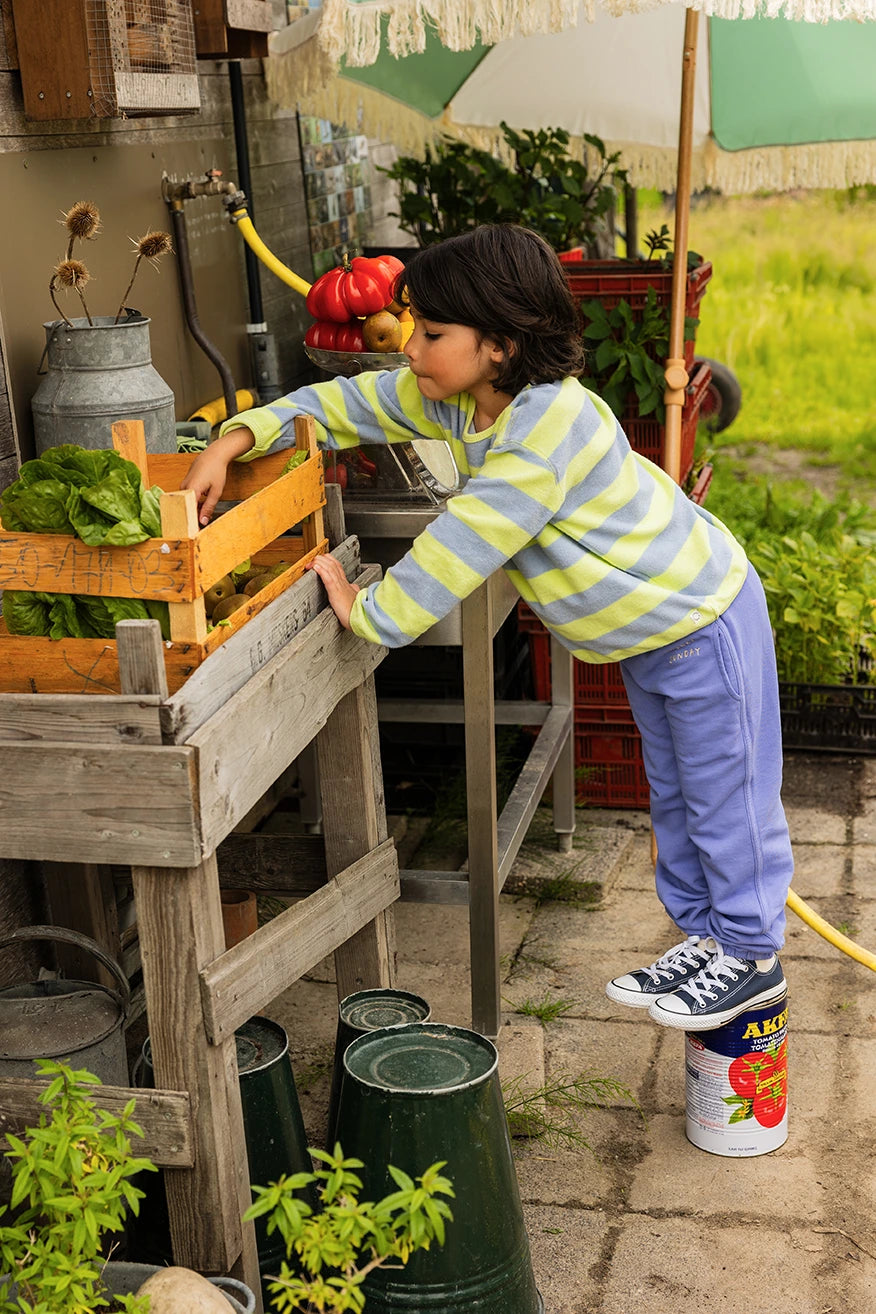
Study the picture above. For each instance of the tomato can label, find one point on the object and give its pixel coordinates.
(736, 1081)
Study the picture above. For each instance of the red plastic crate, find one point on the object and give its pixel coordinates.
(597, 685)
(609, 772)
(645, 434)
(610, 281)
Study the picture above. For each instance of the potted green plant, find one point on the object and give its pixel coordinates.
(332, 1249)
(455, 187)
(72, 1189)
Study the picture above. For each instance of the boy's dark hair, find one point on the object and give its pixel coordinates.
(507, 283)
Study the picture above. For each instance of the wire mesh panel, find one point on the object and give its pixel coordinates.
(142, 57)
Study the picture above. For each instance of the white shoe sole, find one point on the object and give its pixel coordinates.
(710, 1021)
(621, 996)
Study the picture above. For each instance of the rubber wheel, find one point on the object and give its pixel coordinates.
(721, 404)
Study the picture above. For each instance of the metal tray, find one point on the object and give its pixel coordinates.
(355, 362)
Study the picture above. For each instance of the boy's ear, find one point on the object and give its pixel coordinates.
(499, 347)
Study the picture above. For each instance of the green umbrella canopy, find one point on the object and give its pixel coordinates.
(779, 103)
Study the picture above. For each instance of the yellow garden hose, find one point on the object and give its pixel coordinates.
(255, 243)
(830, 933)
(214, 412)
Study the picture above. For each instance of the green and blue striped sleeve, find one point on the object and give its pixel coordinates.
(501, 509)
(377, 406)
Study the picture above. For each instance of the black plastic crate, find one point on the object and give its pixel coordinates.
(829, 718)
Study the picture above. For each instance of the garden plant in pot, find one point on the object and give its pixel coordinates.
(72, 1189)
(331, 1250)
(456, 187)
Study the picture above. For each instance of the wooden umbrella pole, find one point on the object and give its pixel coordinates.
(675, 373)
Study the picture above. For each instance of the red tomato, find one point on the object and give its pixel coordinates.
(357, 287)
(328, 336)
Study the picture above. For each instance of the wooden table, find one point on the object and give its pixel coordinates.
(157, 782)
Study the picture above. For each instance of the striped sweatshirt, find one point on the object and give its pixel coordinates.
(602, 544)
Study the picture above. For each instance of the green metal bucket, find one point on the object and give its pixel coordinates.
(424, 1092)
(358, 1015)
(276, 1141)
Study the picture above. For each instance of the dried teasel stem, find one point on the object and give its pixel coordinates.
(72, 274)
(52, 285)
(83, 223)
(148, 247)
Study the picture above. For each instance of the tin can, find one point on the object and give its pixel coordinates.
(736, 1082)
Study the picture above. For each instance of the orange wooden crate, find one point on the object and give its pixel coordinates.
(178, 568)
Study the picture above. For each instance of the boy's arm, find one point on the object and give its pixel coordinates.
(501, 509)
(377, 406)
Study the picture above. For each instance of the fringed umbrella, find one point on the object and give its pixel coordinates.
(783, 100)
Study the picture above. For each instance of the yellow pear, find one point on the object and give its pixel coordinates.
(381, 332)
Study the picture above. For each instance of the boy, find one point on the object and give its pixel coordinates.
(612, 557)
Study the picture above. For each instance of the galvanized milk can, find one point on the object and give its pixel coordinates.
(80, 1022)
(99, 373)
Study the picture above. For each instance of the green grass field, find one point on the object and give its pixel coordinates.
(791, 309)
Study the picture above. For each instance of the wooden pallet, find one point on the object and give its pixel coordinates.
(178, 568)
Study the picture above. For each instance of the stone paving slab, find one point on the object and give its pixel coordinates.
(660, 1266)
(644, 1222)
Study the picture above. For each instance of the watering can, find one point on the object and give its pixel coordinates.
(79, 1022)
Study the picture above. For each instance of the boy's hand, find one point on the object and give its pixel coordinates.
(209, 470)
(341, 593)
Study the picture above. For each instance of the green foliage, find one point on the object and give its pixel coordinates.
(817, 563)
(545, 1009)
(98, 496)
(331, 1252)
(790, 310)
(554, 1112)
(631, 353)
(457, 187)
(71, 1185)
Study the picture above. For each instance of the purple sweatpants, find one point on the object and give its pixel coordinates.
(708, 712)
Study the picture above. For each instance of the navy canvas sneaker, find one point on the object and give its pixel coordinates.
(640, 988)
(720, 992)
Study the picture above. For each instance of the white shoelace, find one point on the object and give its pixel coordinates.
(706, 984)
(688, 951)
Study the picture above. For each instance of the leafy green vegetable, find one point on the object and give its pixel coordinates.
(99, 496)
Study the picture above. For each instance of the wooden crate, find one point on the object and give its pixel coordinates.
(178, 568)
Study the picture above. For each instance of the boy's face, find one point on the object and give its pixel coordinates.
(450, 358)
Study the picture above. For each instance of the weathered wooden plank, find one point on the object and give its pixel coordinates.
(348, 751)
(93, 803)
(179, 520)
(165, 1117)
(530, 786)
(290, 865)
(211, 686)
(141, 658)
(253, 15)
(97, 718)
(246, 978)
(312, 530)
(53, 58)
(62, 563)
(273, 717)
(180, 927)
